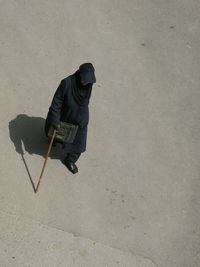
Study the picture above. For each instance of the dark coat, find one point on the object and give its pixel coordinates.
(65, 108)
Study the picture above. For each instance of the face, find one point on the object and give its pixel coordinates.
(83, 82)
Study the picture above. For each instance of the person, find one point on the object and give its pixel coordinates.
(71, 104)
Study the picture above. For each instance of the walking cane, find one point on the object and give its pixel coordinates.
(46, 158)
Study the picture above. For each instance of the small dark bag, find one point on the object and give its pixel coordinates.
(66, 133)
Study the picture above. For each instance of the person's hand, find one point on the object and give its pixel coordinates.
(56, 125)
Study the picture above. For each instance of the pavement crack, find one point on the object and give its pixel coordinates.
(77, 235)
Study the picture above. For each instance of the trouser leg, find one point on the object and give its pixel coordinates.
(72, 156)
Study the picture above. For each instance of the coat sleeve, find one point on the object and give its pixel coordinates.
(57, 102)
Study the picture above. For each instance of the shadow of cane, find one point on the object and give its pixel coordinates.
(27, 134)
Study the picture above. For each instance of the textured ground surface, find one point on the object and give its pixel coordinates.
(135, 201)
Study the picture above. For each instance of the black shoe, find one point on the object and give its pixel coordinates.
(71, 166)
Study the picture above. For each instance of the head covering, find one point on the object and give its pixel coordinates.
(82, 93)
(87, 73)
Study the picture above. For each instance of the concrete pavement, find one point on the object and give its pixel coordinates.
(135, 200)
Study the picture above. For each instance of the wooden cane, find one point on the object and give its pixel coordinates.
(45, 162)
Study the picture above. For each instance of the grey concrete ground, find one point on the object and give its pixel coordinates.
(135, 201)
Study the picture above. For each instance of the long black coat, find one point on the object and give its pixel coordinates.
(65, 108)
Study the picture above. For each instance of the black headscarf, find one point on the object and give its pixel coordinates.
(81, 92)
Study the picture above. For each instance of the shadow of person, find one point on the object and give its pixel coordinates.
(27, 134)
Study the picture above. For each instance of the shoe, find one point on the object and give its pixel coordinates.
(71, 166)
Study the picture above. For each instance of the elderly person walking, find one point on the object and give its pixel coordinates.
(70, 104)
